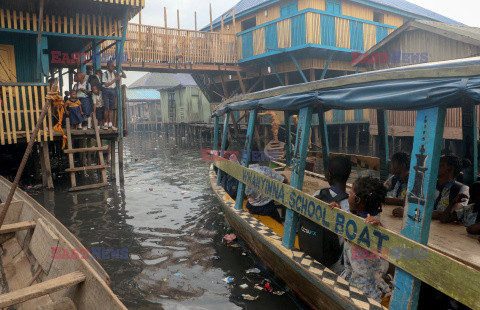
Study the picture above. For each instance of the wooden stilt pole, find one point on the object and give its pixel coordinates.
(45, 165)
(120, 159)
(113, 172)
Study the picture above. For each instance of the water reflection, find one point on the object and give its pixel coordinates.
(169, 220)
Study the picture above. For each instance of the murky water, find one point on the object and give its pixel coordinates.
(168, 219)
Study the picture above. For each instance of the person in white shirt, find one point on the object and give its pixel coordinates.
(109, 81)
(98, 106)
(83, 89)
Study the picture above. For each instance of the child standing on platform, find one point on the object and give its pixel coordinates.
(98, 106)
(74, 110)
(83, 92)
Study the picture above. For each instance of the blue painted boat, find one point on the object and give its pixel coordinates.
(452, 256)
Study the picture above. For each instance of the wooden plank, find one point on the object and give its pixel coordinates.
(13, 213)
(50, 118)
(47, 23)
(96, 167)
(65, 24)
(89, 25)
(2, 18)
(19, 110)
(41, 289)
(25, 113)
(43, 240)
(100, 154)
(12, 113)
(94, 20)
(442, 272)
(2, 126)
(35, 25)
(71, 27)
(28, 21)
(83, 23)
(37, 111)
(9, 228)
(73, 180)
(77, 23)
(54, 20)
(86, 149)
(20, 17)
(89, 186)
(32, 113)
(42, 98)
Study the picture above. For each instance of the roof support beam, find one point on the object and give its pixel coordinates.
(270, 63)
(242, 85)
(324, 73)
(298, 67)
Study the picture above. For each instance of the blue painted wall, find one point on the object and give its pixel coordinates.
(328, 30)
(271, 38)
(338, 116)
(288, 9)
(382, 32)
(356, 35)
(247, 45)
(358, 115)
(333, 6)
(298, 30)
(25, 54)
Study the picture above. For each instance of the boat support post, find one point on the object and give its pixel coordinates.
(224, 144)
(420, 197)
(215, 133)
(324, 136)
(246, 158)
(288, 139)
(383, 143)
(298, 172)
(470, 141)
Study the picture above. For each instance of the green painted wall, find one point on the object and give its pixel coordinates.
(25, 54)
(191, 106)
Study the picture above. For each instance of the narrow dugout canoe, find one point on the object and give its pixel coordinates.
(317, 285)
(34, 274)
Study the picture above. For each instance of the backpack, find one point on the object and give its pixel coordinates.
(317, 241)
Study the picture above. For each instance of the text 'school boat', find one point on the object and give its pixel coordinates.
(32, 278)
(450, 258)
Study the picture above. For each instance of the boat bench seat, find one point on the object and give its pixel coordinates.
(41, 289)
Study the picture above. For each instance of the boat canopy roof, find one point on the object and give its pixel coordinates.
(416, 87)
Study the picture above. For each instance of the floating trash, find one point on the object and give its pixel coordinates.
(230, 237)
(279, 293)
(249, 297)
(178, 274)
(244, 286)
(229, 279)
(268, 287)
(259, 287)
(253, 270)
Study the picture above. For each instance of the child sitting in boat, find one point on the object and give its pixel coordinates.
(468, 215)
(74, 109)
(449, 191)
(261, 204)
(398, 182)
(366, 274)
(318, 242)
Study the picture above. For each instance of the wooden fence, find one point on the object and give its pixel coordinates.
(20, 108)
(150, 44)
(80, 24)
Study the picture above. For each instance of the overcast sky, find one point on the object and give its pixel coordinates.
(464, 11)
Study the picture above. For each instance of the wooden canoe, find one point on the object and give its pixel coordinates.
(320, 287)
(34, 273)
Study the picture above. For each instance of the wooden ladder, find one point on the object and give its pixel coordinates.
(99, 149)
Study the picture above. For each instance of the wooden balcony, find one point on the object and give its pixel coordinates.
(157, 47)
(310, 28)
(20, 108)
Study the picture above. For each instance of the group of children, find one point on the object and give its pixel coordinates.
(93, 94)
(454, 202)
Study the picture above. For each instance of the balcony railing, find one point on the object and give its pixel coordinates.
(20, 108)
(150, 44)
(311, 28)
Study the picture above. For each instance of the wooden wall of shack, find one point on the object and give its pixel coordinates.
(438, 48)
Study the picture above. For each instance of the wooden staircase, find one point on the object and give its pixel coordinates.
(101, 167)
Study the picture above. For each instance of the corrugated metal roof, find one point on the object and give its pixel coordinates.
(401, 5)
(163, 80)
(142, 94)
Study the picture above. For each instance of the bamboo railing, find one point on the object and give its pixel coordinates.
(20, 108)
(150, 44)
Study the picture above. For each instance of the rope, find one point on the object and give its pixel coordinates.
(57, 101)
